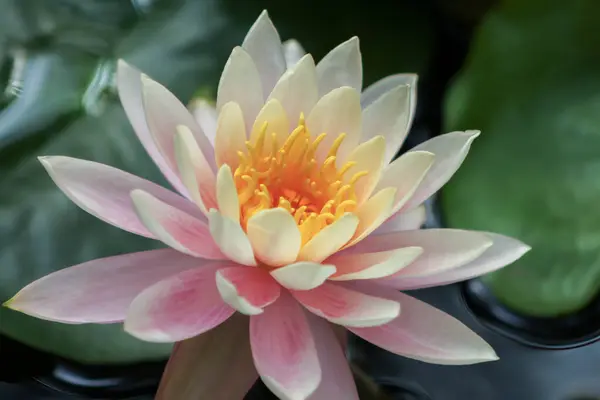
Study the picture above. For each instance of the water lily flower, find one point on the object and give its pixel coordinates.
(290, 218)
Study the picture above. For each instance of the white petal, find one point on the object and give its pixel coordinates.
(206, 116)
(330, 239)
(274, 236)
(231, 239)
(227, 196)
(406, 175)
(404, 221)
(335, 113)
(293, 52)
(240, 83)
(297, 89)
(450, 151)
(342, 66)
(303, 275)
(264, 46)
(388, 116)
(386, 84)
(231, 135)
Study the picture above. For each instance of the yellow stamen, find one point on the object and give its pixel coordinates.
(290, 176)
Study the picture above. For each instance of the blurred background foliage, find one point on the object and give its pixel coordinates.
(530, 83)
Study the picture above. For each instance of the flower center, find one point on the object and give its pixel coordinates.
(289, 176)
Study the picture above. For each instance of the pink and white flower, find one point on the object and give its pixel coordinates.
(289, 210)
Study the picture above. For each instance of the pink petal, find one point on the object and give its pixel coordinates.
(247, 289)
(443, 249)
(130, 93)
(178, 308)
(347, 307)
(164, 113)
(342, 66)
(99, 291)
(175, 228)
(424, 333)
(404, 221)
(103, 191)
(216, 365)
(284, 350)
(504, 251)
(264, 46)
(450, 151)
(206, 116)
(337, 382)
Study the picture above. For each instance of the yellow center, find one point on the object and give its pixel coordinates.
(289, 176)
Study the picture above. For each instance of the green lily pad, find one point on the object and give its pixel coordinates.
(532, 85)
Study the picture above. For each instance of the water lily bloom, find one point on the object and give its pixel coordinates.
(290, 218)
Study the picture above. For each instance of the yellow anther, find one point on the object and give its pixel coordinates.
(345, 206)
(346, 167)
(357, 176)
(336, 145)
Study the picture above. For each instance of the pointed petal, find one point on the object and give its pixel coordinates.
(404, 221)
(302, 275)
(450, 151)
(179, 307)
(335, 113)
(246, 289)
(368, 156)
(293, 52)
(274, 236)
(348, 307)
(330, 239)
(240, 83)
(217, 365)
(206, 116)
(264, 46)
(164, 112)
(195, 175)
(504, 251)
(174, 227)
(284, 350)
(337, 382)
(381, 87)
(444, 249)
(231, 238)
(231, 135)
(101, 290)
(273, 114)
(406, 174)
(424, 333)
(129, 82)
(372, 265)
(297, 89)
(388, 116)
(103, 191)
(342, 66)
(372, 214)
(227, 196)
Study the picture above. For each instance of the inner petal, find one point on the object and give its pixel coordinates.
(287, 175)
